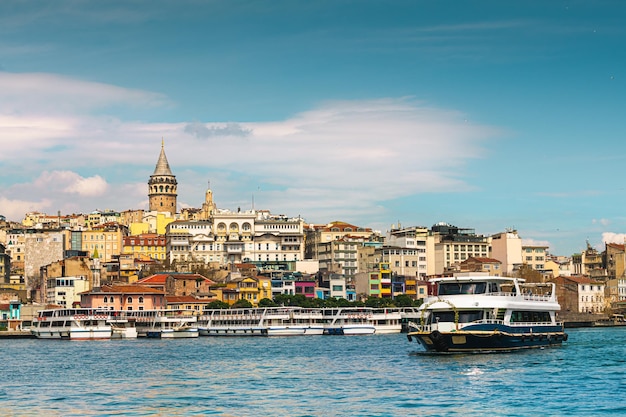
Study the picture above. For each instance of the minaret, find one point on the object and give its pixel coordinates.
(208, 207)
(162, 186)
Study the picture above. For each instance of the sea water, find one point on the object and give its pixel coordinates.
(378, 375)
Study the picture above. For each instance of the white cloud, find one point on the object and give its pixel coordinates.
(71, 183)
(343, 157)
(610, 237)
(603, 222)
(41, 93)
(14, 210)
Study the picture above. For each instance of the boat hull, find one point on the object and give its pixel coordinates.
(179, 334)
(233, 331)
(485, 341)
(350, 330)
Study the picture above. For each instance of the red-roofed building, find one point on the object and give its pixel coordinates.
(480, 264)
(177, 284)
(124, 297)
(580, 294)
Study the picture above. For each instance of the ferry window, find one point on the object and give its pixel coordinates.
(470, 316)
(453, 288)
(442, 317)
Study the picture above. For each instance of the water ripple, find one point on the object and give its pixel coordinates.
(311, 376)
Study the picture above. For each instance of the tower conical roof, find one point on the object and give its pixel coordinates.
(162, 166)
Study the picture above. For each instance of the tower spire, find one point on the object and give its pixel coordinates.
(162, 185)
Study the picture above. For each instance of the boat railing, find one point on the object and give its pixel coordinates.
(528, 296)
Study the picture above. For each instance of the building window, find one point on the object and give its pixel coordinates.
(141, 300)
(129, 299)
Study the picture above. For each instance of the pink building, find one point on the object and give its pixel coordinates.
(124, 297)
(306, 288)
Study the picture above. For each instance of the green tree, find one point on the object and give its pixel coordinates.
(217, 304)
(266, 302)
(242, 304)
(403, 300)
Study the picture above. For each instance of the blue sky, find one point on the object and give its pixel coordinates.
(483, 114)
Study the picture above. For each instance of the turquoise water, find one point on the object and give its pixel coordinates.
(380, 375)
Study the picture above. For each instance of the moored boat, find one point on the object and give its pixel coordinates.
(478, 312)
(123, 326)
(362, 321)
(72, 324)
(165, 323)
(268, 321)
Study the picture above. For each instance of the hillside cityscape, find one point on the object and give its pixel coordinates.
(208, 257)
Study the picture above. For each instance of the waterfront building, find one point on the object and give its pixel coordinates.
(535, 256)
(407, 250)
(179, 284)
(475, 264)
(162, 186)
(507, 248)
(452, 245)
(188, 302)
(277, 240)
(65, 291)
(580, 294)
(283, 283)
(305, 287)
(319, 236)
(124, 297)
(615, 290)
(10, 318)
(589, 263)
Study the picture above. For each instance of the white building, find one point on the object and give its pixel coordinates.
(507, 248)
(236, 237)
(64, 291)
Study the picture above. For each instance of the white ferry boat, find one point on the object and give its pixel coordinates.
(72, 324)
(164, 323)
(478, 312)
(362, 321)
(123, 326)
(269, 321)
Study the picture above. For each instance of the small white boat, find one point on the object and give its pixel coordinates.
(72, 324)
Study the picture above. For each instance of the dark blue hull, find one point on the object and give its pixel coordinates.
(495, 340)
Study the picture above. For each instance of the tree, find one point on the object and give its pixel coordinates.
(242, 304)
(217, 304)
(403, 300)
(266, 302)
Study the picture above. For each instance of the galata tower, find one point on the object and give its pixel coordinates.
(162, 186)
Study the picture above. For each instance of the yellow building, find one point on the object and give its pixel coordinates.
(149, 245)
(105, 241)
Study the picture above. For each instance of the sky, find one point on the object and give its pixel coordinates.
(488, 115)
